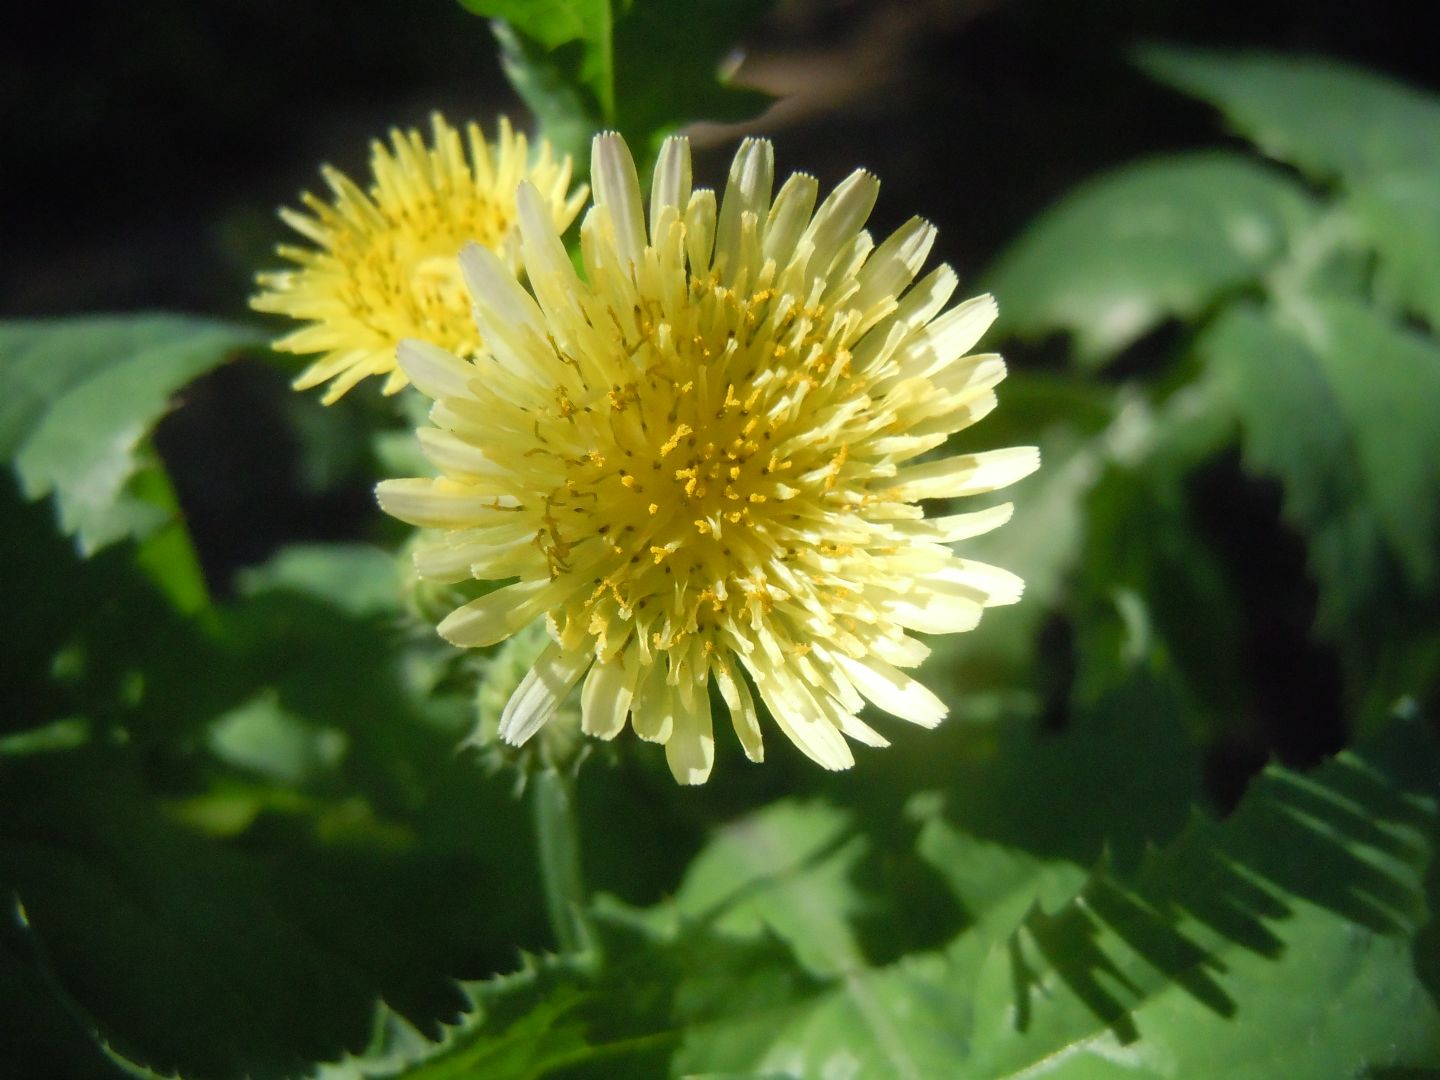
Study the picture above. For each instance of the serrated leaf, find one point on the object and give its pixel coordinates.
(1123, 775)
(784, 870)
(270, 831)
(175, 946)
(1327, 118)
(54, 1040)
(552, 24)
(1162, 238)
(80, 399)
(1275, 944)
(616, 1018)
(1153, 596)
(643, 67)
(1401, 215)
(1340, 405)
(1378, 137)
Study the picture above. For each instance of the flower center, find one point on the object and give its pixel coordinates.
(689, 505)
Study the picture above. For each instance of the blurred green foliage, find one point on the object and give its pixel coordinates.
(236, 838)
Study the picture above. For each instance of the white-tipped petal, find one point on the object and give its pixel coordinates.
(803, 719)
(994, 586)
(496, 615)
(541, 693)
(947, 530)
(509, 318)
(894, 264)
(789, 216)
(839, 218)
(617, 188)
(455, 456)
(891, 689)
(540, 241)
(671, 185)
(435, 372)
(700, 231)
(852, 727)
(747, 193)
(433, 504)
(966, 474)
(950, 336)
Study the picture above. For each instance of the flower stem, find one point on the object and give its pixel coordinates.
(557, 834)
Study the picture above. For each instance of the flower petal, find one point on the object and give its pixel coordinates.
(541, 693)
(894, 691)
(965, 474)
(671, 186)
(736, 695)
(497, 615)
(436, 372)
(617, 188)
(609, 689)
(690, 750)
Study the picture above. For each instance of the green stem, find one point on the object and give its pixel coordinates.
(557, 835)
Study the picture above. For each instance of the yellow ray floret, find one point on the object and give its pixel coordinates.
(701, 460)
(383, 266)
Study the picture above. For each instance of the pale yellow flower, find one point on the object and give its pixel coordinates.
(384, 263)
(702, 460)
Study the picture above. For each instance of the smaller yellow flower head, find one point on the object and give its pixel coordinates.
(384, 264)
(704, 462)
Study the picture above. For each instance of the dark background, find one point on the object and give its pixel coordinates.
(146, 144)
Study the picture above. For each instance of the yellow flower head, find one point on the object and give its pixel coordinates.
(384, 262)
(700, 460)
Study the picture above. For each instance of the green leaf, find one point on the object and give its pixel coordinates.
(176, 946)
(1274, 944)
(231, 843)
(518, 1027)
(796, 872)
(1123, 775)
(1163, 238)
(551, 82)
(79, 398)
(1327, 118)
(81, 660)
(642, 67)
(552, 24)
(1377, 137)
(1105, 457)
(1154, 597)
(785, 870)
(1339, 404)
(1401, 215)
(671, 67)
(359, 579)
(54, 1038)
(1278, 943)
